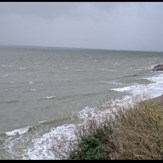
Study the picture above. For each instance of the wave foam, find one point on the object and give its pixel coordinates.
(152, 89)
(111, 82)
(12, 82)
(156, 78)
(53, 145)
(60, 141)
(49, 97)
(30, 82)
(131, 88)
(16, 132)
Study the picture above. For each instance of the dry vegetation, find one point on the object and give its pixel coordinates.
(129, 134)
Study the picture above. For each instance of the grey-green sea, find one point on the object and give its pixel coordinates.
(42, 88)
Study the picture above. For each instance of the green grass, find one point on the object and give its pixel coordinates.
(131, 134)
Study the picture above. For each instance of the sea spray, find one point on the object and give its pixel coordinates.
(62, 140)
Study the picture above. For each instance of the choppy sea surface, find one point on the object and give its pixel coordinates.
(42, 88)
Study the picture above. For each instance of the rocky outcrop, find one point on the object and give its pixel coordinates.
(158, 68)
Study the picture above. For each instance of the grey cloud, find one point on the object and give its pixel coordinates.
(40, 9)
(127, 26)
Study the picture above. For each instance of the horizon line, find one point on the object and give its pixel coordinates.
(53, 47)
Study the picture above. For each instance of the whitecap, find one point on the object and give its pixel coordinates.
(43, 121)
(22, 68)
(156, 78)
(152, 90)
(85, 112)
(20, 131)
(49, 97)
(131, 88)
(12, 82)
(30, 82)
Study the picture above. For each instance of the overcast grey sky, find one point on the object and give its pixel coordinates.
(103, 25)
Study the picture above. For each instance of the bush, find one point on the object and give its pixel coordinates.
(135, 133)
(92, 147)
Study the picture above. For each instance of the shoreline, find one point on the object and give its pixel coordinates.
(157, 100)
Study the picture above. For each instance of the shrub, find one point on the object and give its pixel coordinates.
(135, 133)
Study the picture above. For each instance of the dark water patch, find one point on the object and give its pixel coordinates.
(9, 102)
